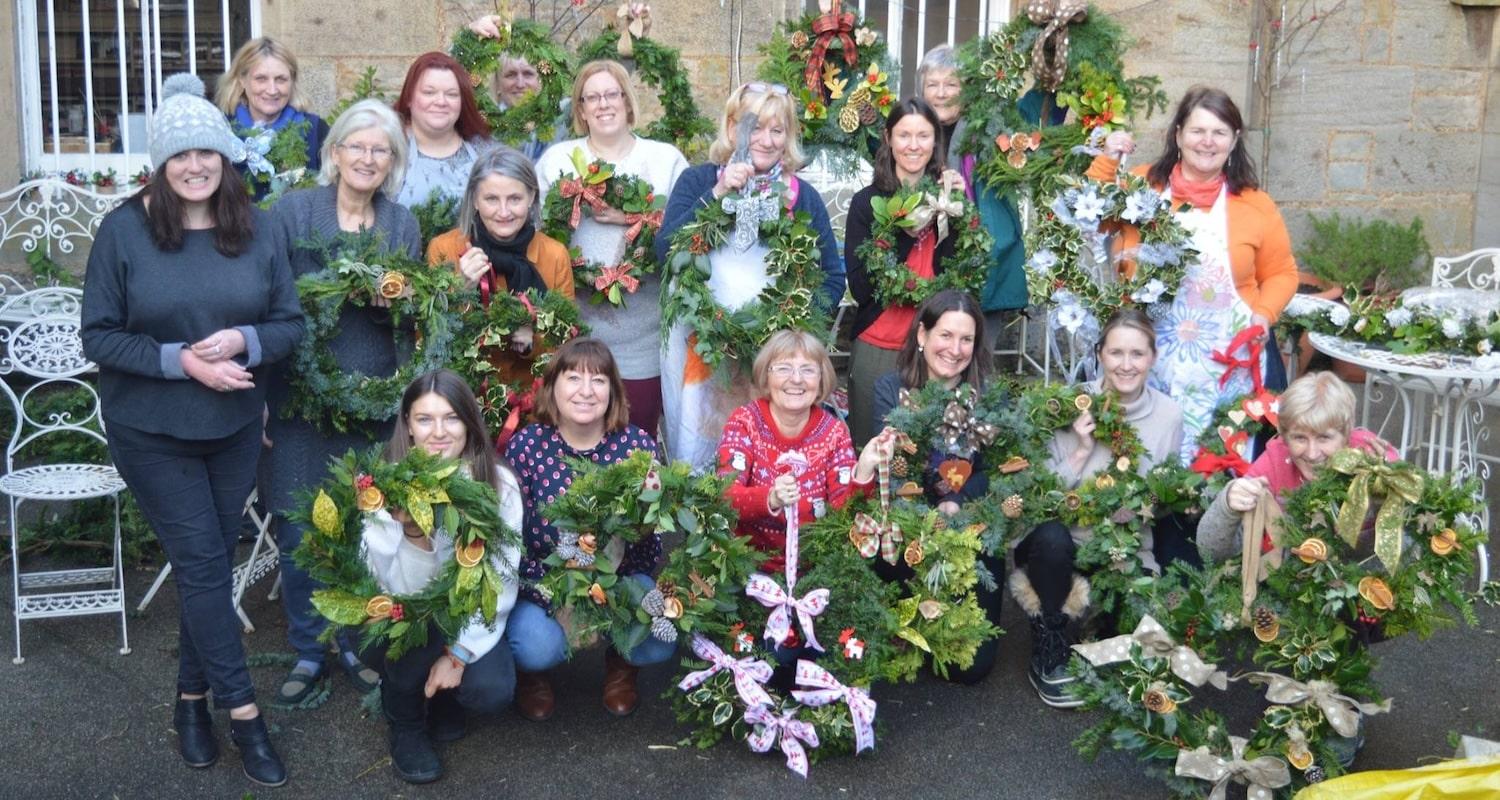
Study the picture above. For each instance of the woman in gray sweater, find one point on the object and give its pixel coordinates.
(364, 159)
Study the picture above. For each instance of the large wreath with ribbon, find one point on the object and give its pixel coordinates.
(537, 115)
(438, 496)
(1306, 617)
(838, 70)
(595, 187)
(658, 67)
(789, 302)
(360, 269)
(1224, 447)
(924, 210)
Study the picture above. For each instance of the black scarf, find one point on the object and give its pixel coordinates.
(508, 260)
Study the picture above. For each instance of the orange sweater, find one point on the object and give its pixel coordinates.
(553, 265)
(1260, 250)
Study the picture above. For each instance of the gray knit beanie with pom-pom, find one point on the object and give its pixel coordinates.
(186, 121)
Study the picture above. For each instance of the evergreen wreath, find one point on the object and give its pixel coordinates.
(1448, 336)
(537, 114)
(437, 494)
(276, 160)
(436, 215)
(359, 269)
(789, 302)
(554, 320)
(1225, 443)
(894, 282)
(659, 67)
(596, 187)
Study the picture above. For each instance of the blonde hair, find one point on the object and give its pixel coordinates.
(231, 91)
(767, 106)
(616, 71)
(786, 344)
(1317, 402)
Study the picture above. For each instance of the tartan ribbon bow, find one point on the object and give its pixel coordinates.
(1053, 16)
(870, 536)
(827, 689)
(835, 23)
(1262, 774)
(1399, 483)
(619, 273)
(748, 673)
(770, 726)
(1341, 711)
(1155, 643)
(1249, 339)
(782, 603)
(582, 193)
(639, 221)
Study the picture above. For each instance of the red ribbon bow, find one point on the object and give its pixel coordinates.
(581, 193)
(638, 222)
(1209, 464)
(832, 25)
(619, 273)
(1248, 338)
(519, 405)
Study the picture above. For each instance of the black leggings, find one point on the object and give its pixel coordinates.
(1046, 556)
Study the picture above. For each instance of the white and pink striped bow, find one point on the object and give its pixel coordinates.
(792, 732)
(783, 603)
(749, 673)
(827, 689)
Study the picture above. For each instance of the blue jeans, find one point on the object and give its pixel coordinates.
(303, 622)
(193, 494)
(538, 642)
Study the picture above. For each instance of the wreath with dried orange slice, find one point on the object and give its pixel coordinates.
(446, 505)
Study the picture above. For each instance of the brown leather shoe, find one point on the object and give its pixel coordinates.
(534, 696)
(620, 695)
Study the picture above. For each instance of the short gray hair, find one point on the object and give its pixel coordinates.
(361, 116)
(940, 58)
(506, 162)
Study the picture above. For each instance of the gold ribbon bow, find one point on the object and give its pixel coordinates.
(1054, 17)
(1255, 565)
(1341, 711)
(1262, 775)
(1155, 643)
(1399, 483)
(635, 23)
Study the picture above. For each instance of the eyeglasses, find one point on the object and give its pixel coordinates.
(760, 87)
(807, 372)
(360, 152)
(597, 98)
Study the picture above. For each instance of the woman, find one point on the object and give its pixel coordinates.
(497, 247)
(364, 158)
(1005, 285)
(1316, 420)
(940, 347)
(188, 297)
(604, 109)
(428, 689)
(793, 377)
(695, 402)
(911, 150)
(445, 132)
(514, 81)
(1044, 582)
(259, 93)
(582, 413)
(1246, 274)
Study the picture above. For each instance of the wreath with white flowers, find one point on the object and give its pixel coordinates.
(524, 39)
(1402, 327)
(894, 282)
(595, 187)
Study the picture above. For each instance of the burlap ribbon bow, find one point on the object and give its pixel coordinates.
(1262, 775)
(1155, 643)
(1399, 483)
(1255, 565)
(1054, 17)
(635, 23)
(1341, 711)
(935, 209)
(833, 24)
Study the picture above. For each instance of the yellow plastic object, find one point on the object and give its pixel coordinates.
(1467, 779)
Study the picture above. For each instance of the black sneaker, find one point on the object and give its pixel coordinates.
(1052, 687)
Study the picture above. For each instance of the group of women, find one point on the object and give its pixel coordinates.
(190, 310)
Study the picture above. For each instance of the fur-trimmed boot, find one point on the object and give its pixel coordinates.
(1051, 638)
(412, 755)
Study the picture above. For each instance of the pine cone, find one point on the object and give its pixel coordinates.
(849, 119)
(654, 603)
(1267, 627)
(1012, 506)
(663, 629)
(899, 467)
(868, 114)
(1314, 774)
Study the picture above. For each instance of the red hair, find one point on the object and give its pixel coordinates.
(470, 123)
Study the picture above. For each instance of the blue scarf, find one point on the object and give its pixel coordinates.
(288, 115)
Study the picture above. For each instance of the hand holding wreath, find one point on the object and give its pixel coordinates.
(928, 209)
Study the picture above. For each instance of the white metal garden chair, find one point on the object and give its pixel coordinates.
(41, 353)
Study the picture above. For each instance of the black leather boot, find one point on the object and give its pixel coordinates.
(412, 755)
(195, 733)
(445, 717)
(261, 762)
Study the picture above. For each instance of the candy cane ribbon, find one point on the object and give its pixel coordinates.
(796, 463)
(827, 689)
(833, 24)
(749, 673)
(639, 222)
(581, 193)
(783, 603)
(791, 731)
(1248, 338)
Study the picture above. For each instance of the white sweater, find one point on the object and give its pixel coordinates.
(402, 568)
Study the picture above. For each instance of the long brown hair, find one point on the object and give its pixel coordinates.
(470, 124)
(910, 363)
(479, 451)
(1239, 172)
(229, 206)
(592, 357)
(885, 180)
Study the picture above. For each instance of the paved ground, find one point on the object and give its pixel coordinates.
(80, 720)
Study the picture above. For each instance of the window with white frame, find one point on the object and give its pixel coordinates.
(91, 72)
(920, 25)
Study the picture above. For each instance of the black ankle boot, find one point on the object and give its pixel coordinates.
(412, 755)
(445, 717)
(195, 733)
(1050, 648)
(262, 765)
